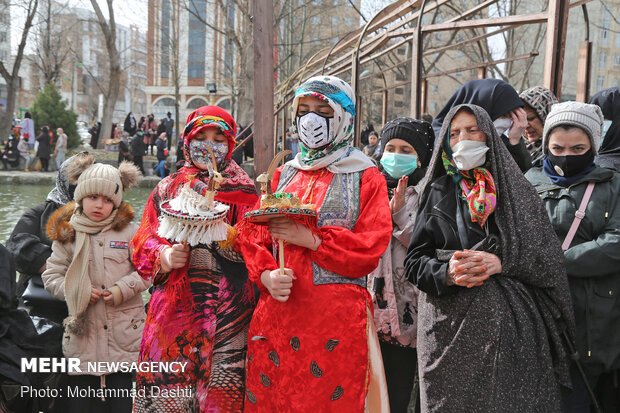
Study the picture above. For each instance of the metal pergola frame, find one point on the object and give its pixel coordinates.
(355, 49)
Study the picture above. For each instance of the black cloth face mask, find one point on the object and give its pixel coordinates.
(571, 165)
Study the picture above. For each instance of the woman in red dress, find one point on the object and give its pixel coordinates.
(312, 343)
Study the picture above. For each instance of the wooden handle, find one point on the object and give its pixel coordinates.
(281, 254)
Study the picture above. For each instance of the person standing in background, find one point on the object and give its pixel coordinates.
(24, 152)
(44, 150)
(162, 154)
(130, 124)
(94, 135)
(28, 130)
(137, 150)
(169, 122)
(61, 147)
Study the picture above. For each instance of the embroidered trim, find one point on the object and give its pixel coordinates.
(340, 208)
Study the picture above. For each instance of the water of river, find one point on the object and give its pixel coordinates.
(16, 199)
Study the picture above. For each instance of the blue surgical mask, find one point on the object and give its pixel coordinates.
(399, 164)
(199, 153)
(606, 125)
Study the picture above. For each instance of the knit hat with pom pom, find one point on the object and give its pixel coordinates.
(106, 180)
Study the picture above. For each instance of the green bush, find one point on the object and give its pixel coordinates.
(50, 110)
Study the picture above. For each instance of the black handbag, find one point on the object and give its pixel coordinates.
(42, 303)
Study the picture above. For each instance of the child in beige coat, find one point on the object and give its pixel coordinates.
(90, 268)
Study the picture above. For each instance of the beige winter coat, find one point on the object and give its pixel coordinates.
(113, 332)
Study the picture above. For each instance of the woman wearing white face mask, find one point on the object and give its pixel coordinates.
(407, 146)
(484, 258)
(501, 101)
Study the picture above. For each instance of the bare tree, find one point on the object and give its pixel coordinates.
(51, 48)
(12, 78)
(110, 95)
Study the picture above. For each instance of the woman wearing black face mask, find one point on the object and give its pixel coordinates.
(570, 140)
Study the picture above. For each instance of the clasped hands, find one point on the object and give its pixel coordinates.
(471, 268)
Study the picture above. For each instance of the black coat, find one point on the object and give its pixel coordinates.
(130, 126)
(439, 231)
(20, 338)
(137, 146)
(44, 150)
(29, 244)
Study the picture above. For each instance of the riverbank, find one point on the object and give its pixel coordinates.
(49, 178)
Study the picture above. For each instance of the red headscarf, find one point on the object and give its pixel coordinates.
(237, 187)
(209, 117)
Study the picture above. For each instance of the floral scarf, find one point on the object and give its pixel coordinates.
(478, 189)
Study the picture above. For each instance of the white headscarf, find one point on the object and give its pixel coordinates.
(339, 156)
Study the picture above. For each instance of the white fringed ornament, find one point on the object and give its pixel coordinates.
(193, 219)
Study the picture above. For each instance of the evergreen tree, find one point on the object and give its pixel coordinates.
(50, 110)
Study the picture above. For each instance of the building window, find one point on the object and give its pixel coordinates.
(602, 57)
(165, 40)
(617, 40)
(398, 104)
(197, 42)
(600, 83)
(458, 74)
(435, 88)
(399, 91)
(615, 82)
(401, 51)
(3, 37)
(196, 103)
(617, 59)
(459, 54)
(316, 2)
(315, 20)
(335, 21)
(434, 107)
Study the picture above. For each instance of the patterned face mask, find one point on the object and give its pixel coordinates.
(315, 131)
(200, 154)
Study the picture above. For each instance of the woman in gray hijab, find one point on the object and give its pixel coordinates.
(494, 305)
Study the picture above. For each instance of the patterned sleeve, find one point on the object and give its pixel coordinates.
(146, 243)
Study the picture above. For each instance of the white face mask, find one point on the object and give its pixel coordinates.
(502, 125)
(468, 154)
(315, 130)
